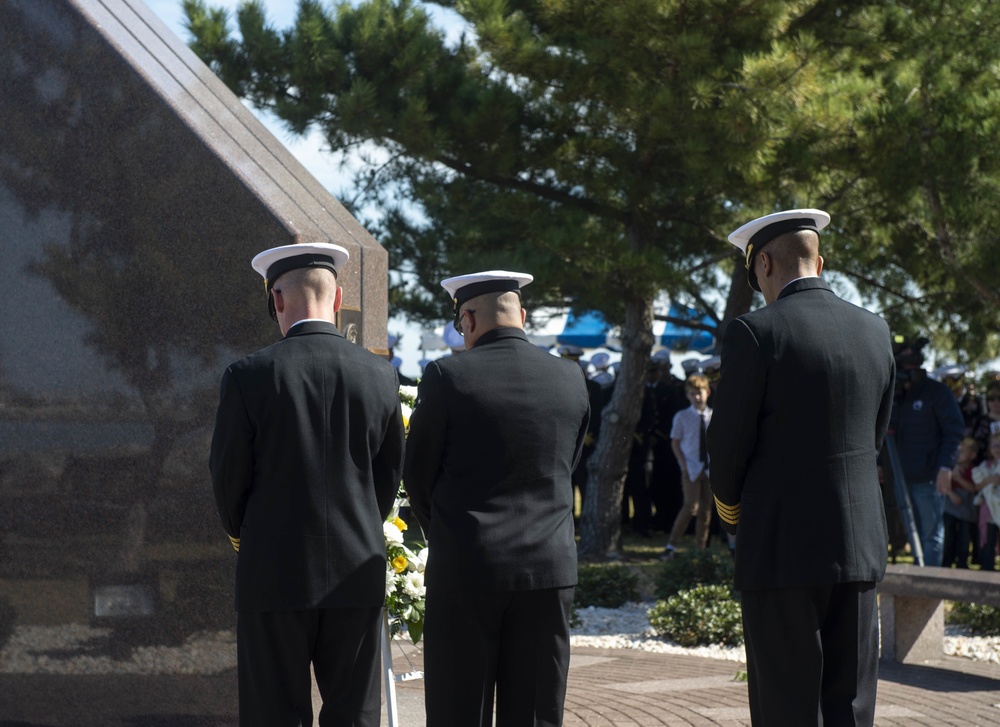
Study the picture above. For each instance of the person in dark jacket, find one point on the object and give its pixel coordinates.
(494, 438)
(928, 426)
(801, 410)
(306, 460)
(637, 486)
(665, 479)
(598, 396)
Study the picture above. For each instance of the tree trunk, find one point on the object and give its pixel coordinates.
(737, 302)
(600, 521)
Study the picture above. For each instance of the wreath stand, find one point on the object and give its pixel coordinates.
(390, 677)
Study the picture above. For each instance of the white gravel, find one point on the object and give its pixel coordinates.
(628, 628)
(958, 641)
(76, 648)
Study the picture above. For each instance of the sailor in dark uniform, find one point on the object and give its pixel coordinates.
(598, 395)
(493, 441)
(306, 460)
(602, 376)
(665, 479)
(801, 411)
(397, 362)
(637, 476)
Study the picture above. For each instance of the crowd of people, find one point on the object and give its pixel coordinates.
(945, 419)
(946, 453)
(945, 426)
(667, 481)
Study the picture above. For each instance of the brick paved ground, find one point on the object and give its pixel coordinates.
(614, 688)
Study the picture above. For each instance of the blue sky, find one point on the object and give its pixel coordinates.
(323, 165)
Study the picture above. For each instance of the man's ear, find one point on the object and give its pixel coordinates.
(819, 264)
(524, 317)
(767, 263)
(279, 300)
(338, 299)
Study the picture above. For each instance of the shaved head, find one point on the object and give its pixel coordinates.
(794, 248)
(499, 309)
(308, 284)
(787, 257)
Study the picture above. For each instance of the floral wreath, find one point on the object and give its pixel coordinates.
(405, 593)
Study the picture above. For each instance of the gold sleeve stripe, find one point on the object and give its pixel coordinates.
(729, 513)
(729, 519)
(235, 542)
(735, 510)
(729, 516)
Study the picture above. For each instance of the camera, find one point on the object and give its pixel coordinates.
(909, 360)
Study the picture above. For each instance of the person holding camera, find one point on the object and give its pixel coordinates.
(928, 427)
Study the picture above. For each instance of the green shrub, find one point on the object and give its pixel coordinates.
(980, 618)
(693, 568)
(574, 617)
(606, 586)
(699, 617)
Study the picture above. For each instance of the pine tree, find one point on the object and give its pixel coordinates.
(607, 147)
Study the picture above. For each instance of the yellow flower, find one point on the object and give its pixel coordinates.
(398, 522)
(399, 563)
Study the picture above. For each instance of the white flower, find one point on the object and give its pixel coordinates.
(390, 582)
(392, 533)
(408, 391)
(407, 413)
(413, 584)
(418, 562)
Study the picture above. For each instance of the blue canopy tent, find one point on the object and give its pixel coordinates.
(586, 330)
(589, 329)
(681, 338)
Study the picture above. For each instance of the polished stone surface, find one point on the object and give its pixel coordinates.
(134, 189)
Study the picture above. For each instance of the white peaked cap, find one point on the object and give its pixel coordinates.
(463, 287)
(273, 263)
(752, 236)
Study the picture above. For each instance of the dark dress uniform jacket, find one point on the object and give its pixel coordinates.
(800, 414)
(306, 462)
(494, 438)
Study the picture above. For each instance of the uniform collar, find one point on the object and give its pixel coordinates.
(312, 326)
(497, 334)
(800, 284)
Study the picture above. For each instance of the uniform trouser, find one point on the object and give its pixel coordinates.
(637, 488)
(274, 652)
(515, 644)
(812, 655)
(665, 486)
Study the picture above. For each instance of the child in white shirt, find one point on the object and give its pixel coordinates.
(689, 444)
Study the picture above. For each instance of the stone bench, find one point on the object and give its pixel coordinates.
(911, 607)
